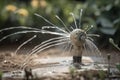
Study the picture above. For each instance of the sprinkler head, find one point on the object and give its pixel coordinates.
(82, 36)
(78, 37)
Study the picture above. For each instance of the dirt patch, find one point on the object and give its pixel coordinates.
(9, 61)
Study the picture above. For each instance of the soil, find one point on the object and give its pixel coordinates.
(10, 62)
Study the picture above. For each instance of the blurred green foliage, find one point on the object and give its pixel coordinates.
(115, 45)
(118, 66)
(1, 75)
(102, 14)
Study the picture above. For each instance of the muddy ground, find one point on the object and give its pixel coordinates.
(10, 62)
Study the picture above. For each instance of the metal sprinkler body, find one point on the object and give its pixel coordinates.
(28, 73)
(77, 38)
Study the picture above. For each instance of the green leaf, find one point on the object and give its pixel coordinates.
(109, 31)
(112, 42)
(105, 22)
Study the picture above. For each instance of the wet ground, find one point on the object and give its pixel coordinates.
(49, 62)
